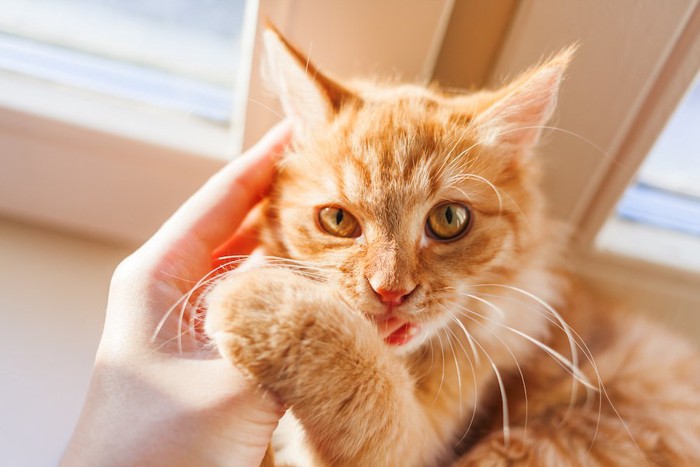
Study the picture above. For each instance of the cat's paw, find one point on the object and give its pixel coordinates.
(257, 321)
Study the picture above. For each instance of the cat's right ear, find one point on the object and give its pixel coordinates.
(308, 97)
(521, 109)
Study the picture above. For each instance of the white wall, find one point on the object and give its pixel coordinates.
(53, 292)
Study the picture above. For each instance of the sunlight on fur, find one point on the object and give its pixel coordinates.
(410, 302)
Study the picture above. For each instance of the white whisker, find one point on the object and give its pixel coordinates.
(459, 374)
(501, 385)
(550, 309)
(474, 379)
(563, 361)
(442, 367)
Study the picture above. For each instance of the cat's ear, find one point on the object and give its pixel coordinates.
(308, 97)
(519, 110)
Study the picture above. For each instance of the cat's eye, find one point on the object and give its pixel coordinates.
(338, 222)
(448, 221)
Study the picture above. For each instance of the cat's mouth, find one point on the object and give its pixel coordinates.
(396, 331)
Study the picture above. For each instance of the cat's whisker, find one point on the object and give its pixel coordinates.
(578, 340)
(471, 176)
(432, 356)
(470, 339)
(223, 257)
(504, 398)
(309, 264)
(588, 141)
(514, 300)
(458, 157)
(266, 107)
(198, 306)
(459, 374)
(442, 367)
(173, 339)
(574, 365)
(270, 258)
(573, 371)
(464, 193)
(179, 326)
(474, 379)
(232, 261)
(220, 272)
(308, 270)
(508, 349)
(457, 140)
(317, 269)
(580, 343)
(164, 318)
(216, 274)
(550, 309)
(501, 314)
(559, 358)
(424, 350)
(183, 300)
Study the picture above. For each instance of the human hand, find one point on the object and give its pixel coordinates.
(158, 397)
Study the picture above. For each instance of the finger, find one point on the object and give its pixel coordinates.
(217, 209)
(243, 241)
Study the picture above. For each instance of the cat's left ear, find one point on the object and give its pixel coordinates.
(519, 110)
(309, 97)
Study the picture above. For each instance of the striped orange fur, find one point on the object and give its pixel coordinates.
(396, 348)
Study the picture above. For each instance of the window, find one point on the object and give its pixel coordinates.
(181, 55)
(666, 192)
(658, 217)
(166, 72)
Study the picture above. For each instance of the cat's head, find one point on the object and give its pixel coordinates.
(405, 196)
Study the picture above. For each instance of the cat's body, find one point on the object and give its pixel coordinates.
(420, 313)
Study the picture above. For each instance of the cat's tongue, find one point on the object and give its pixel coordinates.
(401, 335)
(396, 331)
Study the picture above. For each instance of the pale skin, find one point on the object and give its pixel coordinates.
(152, 403)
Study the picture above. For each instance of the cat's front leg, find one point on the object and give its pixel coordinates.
(295, 337)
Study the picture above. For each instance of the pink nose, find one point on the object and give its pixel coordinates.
(393, 297)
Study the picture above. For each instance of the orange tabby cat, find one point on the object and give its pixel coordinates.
(414, 310)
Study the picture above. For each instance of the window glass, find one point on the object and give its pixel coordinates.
(666, 192)
(177, 54)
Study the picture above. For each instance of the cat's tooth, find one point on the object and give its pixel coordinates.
(412, 330)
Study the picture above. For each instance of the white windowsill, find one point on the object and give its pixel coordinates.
(651, 245)
(115, 116)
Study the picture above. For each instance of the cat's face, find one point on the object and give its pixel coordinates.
(405, 197)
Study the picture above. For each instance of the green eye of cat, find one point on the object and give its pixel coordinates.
(338, 222)
(448, 221)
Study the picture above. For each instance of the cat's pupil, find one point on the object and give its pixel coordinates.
(339, 216)
(448, 214)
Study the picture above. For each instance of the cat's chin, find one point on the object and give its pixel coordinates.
(409, 346)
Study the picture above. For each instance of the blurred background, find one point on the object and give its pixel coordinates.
(113, 111)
